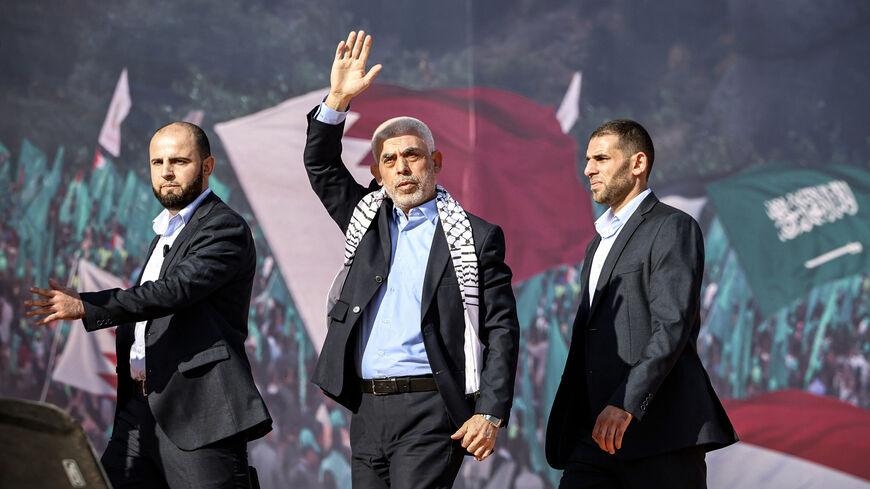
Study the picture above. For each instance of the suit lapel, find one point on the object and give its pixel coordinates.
(613, 256)
(386, 240)
(584, 279)
(190, 229)
(439, 255)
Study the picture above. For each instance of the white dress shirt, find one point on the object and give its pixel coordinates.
(168, 227)
(608, 226)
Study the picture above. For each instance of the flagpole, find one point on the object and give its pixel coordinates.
(52, 352)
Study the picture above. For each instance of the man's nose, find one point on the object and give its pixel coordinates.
(403, 167)
(167, 171)
(588, 170)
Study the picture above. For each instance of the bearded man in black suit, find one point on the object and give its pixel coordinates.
(187, 403)
(635, 407)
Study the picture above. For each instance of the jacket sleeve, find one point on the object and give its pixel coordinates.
(676, 271)
(221, 251)
(499, 329)
(332, 182)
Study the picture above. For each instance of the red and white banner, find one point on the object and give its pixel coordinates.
(794, 439)
(506, 159)
(88, 360)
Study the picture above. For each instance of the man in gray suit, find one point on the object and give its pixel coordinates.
(635, 407)
(187, 403)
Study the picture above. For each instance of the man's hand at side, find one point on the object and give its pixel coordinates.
(609, 428)
(348, 77)
(58, 303)
(478, 436)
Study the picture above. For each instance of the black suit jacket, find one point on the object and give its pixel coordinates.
(634, 346)
(443, 323)
(199, 381)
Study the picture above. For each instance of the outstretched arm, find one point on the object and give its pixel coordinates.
(332, 182)
(57, 303)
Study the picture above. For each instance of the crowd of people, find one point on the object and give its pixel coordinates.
(819, 344)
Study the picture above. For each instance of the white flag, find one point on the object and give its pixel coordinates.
(110, 134)
(253, 144)
(88, 359)
(569, 109)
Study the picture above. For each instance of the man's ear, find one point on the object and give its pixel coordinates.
(376, 172)
(207, 166)
(639, 164)
(436, 160)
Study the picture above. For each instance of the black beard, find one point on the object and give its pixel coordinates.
(175, 203)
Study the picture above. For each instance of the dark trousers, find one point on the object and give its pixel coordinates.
(403, 441)
(139, 455)
(590, 467)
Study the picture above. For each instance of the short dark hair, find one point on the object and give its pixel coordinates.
(633, 138)
(199, 137)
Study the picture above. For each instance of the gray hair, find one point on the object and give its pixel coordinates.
(401, 126)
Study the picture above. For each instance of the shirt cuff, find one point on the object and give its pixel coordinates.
(328, 116)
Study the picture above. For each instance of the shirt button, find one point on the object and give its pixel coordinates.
(379, 279)
(356, 309)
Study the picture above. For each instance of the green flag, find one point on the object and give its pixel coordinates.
(5, 180)
(128, 195)
(32, 163)
(82, 210)
(795, 228)
(33, 226)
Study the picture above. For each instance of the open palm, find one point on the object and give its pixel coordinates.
(348, 77)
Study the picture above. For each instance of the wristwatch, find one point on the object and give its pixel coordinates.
(492, 419)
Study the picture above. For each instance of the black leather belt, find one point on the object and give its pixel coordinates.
(398, 385)
(140, 388)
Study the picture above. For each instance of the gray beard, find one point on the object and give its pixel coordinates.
(405, 201)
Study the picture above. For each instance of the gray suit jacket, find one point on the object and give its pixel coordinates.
(634, 346)
(199, 381)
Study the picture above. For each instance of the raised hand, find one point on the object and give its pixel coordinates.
(348, 77)
(59, 302)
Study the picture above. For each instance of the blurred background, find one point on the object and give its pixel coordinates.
(759, 116)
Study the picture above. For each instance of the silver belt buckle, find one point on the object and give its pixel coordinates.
(391, 380)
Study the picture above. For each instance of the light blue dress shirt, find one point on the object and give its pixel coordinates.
(390, 341)
(390, 338)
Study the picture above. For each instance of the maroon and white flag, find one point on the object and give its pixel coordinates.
(793, 438)
(88, 360)
(506, 159)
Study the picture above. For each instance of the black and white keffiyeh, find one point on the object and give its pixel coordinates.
(457, 229)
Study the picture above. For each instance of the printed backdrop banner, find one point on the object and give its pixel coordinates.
(795, 228)
(88, 360)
